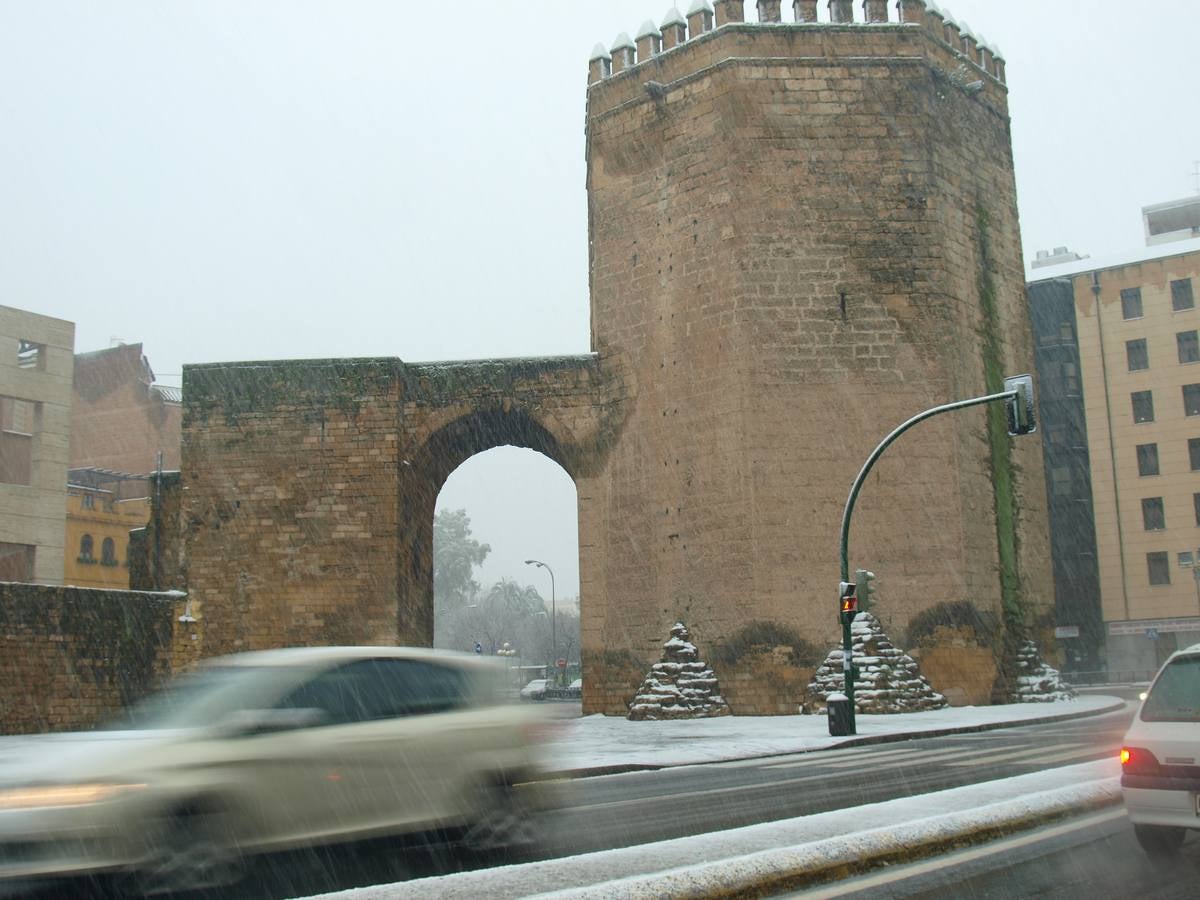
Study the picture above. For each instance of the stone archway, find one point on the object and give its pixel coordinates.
(422, 477)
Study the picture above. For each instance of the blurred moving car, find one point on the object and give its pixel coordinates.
(1160, 757)
(535, 690)
(272, 750)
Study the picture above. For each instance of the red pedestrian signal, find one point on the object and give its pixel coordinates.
(848, 602)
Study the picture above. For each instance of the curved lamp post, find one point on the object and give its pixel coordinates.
(553, 611)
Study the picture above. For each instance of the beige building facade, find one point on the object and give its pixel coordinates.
(36, 370)
(1137, 328)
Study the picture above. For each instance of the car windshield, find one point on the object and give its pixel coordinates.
(1175, 696)
(207, 697)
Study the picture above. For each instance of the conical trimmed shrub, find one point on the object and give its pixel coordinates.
(1037, 682)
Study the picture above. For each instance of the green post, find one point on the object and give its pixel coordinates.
(1017, 393)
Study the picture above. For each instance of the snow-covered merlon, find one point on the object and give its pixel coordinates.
(1037, 682)
(680, 686)
(887, 680)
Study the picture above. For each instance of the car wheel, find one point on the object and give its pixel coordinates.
(505, 821)
(193, 851)
(1159, 840)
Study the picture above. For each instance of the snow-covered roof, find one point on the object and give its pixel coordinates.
(648, 29)
(623, 42)
(673, 17)
(599, 52)
(699, 6)
(1115, 261)
(168, 393)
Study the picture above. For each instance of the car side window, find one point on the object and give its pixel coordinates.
(381, 689)
(1175, 696)
(336, 693)
(409, 687)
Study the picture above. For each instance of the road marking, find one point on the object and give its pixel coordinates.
(816, 759)
(953, 859)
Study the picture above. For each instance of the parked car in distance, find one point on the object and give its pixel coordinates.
(535, 690)
(1160, 757)
(575, 689)
(268, 751)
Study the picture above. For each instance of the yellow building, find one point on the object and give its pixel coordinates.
(1136, 331)
(102, 508)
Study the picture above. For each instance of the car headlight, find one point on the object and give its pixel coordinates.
(53, 795)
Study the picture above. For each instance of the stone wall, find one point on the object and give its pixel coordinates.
(73, 657)
(801, 235)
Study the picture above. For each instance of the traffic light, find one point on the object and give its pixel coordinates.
(1020, 408)
(866, 588)
(848, 603)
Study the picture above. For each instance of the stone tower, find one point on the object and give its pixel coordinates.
(801, 234)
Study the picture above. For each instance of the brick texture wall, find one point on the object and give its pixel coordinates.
(73, 657)
(797, 241)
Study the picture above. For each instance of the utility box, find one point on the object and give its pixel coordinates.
(839, 715)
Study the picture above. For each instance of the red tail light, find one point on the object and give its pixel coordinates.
(1137, 761)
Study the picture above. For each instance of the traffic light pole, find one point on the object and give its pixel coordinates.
(1013, 394)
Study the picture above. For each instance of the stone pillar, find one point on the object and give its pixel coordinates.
(674, 29)
(998, 62)
(769, 11)
(935, 21)
(912, 12)
(649, 41)
(805, 10)
(969, 45)
(985, 55)
(875, 11)
(841, 11)
(953, 36)
(623, 53)
(699, 18)
(730, 11)
(599, 65)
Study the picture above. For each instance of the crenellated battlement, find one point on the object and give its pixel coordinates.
(704, 19)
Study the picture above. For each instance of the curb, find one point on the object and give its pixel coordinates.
(626, 768)
(771, 872)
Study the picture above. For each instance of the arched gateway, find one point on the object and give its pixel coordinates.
(800, 234)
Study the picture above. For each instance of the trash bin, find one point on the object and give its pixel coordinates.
(839, 715)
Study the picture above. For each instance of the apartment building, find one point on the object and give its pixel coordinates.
(36, 369)
(1118, 362)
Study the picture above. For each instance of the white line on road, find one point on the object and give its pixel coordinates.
(962, 856)
(1066, 752)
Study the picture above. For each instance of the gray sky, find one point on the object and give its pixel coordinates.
(255, 179)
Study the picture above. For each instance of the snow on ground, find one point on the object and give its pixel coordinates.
(743, 856)
(601, 741)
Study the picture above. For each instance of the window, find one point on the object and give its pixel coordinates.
(1159, 567)
(1147, 457)
(1153, 517)
(381, 689)
(1196, 506)
(1189, 346)
(1175, 696)
(30, 355)
(1060, 481)
(1131, 303)
(1181, 295)
(17, 423)
(86, 546)
(16, 562)
(108, 552)
(87, 501)
(1143, 405)
(1066, 332)
(1194, 453)
(1186, 560)
(1191, 400)
(1137, 354)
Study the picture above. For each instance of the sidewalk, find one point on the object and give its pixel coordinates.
(603, 745)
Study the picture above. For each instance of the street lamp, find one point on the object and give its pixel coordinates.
(553, 611)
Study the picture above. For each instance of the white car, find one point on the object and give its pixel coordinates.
(1160, 757)
(535, 690)
(267, 751)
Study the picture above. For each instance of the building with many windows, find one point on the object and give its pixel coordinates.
(1118, 363)
(36, 367)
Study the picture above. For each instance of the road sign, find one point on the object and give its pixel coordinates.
(562, 663)
(1066, 631)
(1152, 633)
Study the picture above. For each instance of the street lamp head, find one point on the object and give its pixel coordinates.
(533, 562)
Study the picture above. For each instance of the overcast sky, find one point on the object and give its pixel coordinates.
(235, 180)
